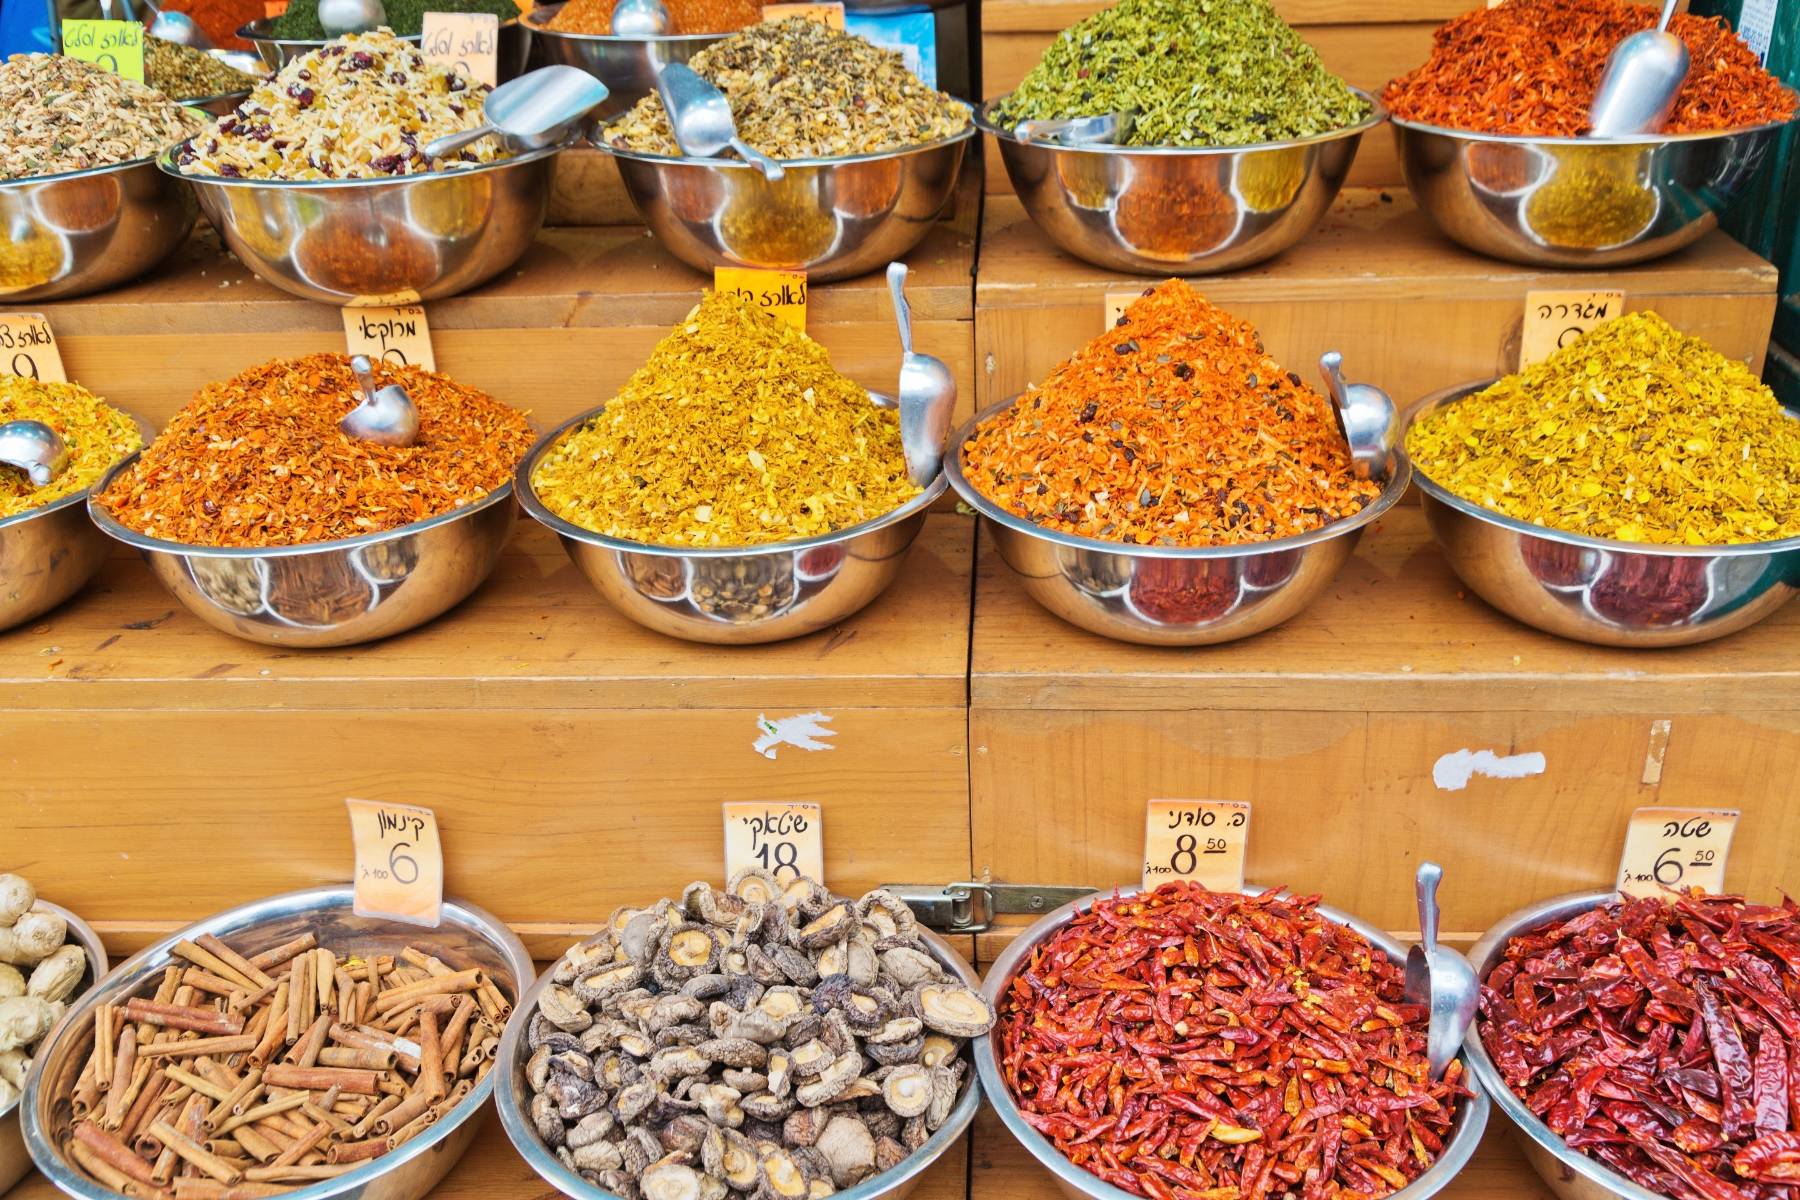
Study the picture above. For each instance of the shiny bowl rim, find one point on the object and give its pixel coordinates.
(145, 432)
(600, 142)
(62, 176)
(528, 499)
(1391, 492)
(165, 162)
(203, 101)
(97, 964)
(551, 1170)
(304, 900)
(1471, 1121)
(541, 30)
(1629, 139)
(1378, 113)
(1437, 491)
(259, 31)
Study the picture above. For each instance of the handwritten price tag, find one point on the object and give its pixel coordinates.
(788, 839)
(118, 46)
(399, 862)
(825, 14)
(397, 335)
(1555, 319)
(466, 42)
(1117, 303)
(1201, 840)
(1677, 848)
(28, 348)
(780, 292)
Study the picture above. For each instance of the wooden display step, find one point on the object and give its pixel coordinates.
(1411, 311)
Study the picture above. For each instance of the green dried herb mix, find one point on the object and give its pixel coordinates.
(1196, 72)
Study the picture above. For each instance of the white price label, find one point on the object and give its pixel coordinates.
(785, 839)
(1554, 320)
(28, 348)
(397, 335)
(1676, 848)
(1200, 840)
(399, 862)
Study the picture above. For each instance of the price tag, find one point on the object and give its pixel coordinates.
(396, 335)
(787, 839)
(1117, 303)
(117, 46)
(28, 348)
(399, 862)
(780, 292)
(1555, 319)
(825, 14)
(1201, 840)
(1678, 848)
(466, 42)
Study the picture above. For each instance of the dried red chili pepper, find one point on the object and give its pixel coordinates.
(1212, 1046)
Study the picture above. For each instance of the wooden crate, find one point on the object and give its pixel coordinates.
(585, 189)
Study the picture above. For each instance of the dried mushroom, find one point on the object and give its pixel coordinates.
(41, 968)
(954, 1009)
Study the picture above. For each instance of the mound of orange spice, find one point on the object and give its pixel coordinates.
(259, 460)
(1172, 428)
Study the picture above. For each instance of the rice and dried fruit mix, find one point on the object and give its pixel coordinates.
(738, 431)
(66, 115)
(95, 434)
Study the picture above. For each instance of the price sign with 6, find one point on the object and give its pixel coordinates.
(399, 862)
(785, 839)
(1676, 848)
(1201, 840)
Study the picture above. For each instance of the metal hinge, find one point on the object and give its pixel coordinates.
(972, 907)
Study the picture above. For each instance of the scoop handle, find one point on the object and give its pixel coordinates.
(896, 277)
(450, 143)
(770, 169)
(1430, 875)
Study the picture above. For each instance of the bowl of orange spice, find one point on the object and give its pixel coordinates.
(578, 33)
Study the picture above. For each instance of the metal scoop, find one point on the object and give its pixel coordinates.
(34, 448)
(175, 27)
(640, 18)
(1365, 416)
(1637, 93)
(1439, 978)
(1106, 129)
(538, 109)
(338, 17)
(386, 416)
(701, 117)
(927, 393)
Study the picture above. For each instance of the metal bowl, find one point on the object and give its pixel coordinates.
(49, 553)
(84, 231)
(467, 937)
(220, 105)
(513, 1100)
(1077, 1184)
(701, 593)
(628, 66)
(14, 1161)
(514, 47)
(1577, 202)
(1598, 590)
(225, 102)
(1178, 210)
(380, 241)
(337, 593)
(833, 218)
(1110, 588)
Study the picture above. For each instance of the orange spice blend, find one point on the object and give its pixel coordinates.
(1173, 428)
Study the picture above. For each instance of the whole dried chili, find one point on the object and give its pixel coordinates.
(1196, 1044)
(1661, 1039)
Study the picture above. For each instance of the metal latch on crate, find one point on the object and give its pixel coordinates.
(972, 907)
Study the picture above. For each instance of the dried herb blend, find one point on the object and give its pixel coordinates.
(1661, 1039)
(1635, 432)
(686, 16)
(66, 115)
(96, 434)
(737, 432)
(1196, 72)
(184, 73)
(1173, 428)
(259, 460)
(1530, 67)
(800, 89)
(1190, 1043)
(404, 17)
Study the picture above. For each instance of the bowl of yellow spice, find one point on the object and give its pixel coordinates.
(737, 490)
(1635, 488)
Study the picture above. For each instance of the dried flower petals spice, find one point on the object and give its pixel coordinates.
(685, 16)
(1173, 428)
(96, 434)
(737, 432)
(66, 115)
(1190, 1043)
(184, 73)
(1634, 432)
(800, 89)
(1530, 67)
(259, 460)
(1660, 1037)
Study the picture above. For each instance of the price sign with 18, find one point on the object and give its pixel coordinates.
(1676, 848)
(28, 348)
(1201, 840)
(399, 862)
(784, 839)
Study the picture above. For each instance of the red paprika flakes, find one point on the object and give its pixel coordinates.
(1172, 428)
(1530, 67)
(1212, 1046)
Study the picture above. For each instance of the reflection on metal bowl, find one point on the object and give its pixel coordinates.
(84, 231)
(1597, 590)
(626, 65)
(514, 48)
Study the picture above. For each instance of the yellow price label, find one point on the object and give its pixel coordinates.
(786, 839)
(1676, 849)
(1556, 319)
(825, 14)
(398, 335)
(399, 862)
(465, 42)
(28, 348)
(118, 46)
(780, 292)
(1201, 840)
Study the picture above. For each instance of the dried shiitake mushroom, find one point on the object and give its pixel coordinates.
(40, 970)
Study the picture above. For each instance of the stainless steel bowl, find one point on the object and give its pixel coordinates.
(339, 593)
(701, 594)
(628, 66)
(1595, 589)
(47, 554)
(514, 47)
(1178, 210)
(84, 231)
(1077, 1184)
(380, 241)
(467, 937)
(220, 105)
(833, 218)
(513, 1100)
(1112, 588)
(1577, 202)
(15, 1162)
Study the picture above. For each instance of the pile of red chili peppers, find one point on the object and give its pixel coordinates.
(1662, 1039)
(1204, 1045)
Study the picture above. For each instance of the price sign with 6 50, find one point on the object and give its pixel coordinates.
(787, 839)
(399, 862)
(1201, 840)
(1678, 848)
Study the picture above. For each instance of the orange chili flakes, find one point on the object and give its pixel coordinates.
(259, 460)
(1173, 428)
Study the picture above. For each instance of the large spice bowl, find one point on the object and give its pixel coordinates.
(628, 66)
(80, 232)
(1597, 590)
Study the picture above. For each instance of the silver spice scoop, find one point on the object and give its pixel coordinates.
(927, 393)
(175, 27)
(34, 448)
(1637, 92)
(1365, 416)
(1105, 129)
(386, 416)
(701, 117)
(1439, 978)
(640, 18)
(540, 108)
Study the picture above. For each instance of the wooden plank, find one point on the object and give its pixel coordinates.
(1053, 16)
